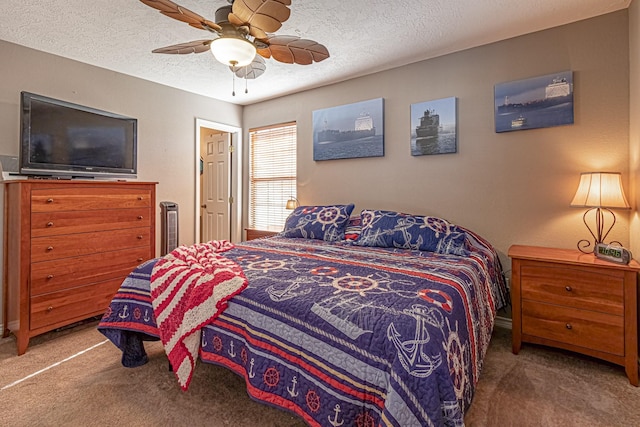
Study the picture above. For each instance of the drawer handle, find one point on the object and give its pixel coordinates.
(50, 224)
(139, 216)
(140, 259)
(49, 200)
(50, 276)
(568, 288)
(140, 198)
(140, 237)
(49, 309)
(50, 248)
(568, 326)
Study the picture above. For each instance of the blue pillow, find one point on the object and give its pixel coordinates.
(389, 229)
(318, 222)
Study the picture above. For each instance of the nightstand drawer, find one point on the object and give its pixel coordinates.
(573, 286)
(582, 328)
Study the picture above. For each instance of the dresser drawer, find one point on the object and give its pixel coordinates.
(583, 328)
(70, 305)
(51, 276)
(88, 198)
(68, 222)
(72, 245)
(578, 287)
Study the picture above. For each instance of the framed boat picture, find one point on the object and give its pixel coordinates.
(349, 131)
(537, 102)
(434, 127)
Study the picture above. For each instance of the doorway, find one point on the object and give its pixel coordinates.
(218, 175)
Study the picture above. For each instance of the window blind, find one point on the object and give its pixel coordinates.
(272, 175)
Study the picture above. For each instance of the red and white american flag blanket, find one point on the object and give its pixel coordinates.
(190, 287)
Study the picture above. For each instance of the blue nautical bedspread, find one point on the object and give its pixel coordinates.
(341, 334)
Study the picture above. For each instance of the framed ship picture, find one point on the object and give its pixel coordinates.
(349, 131)
(434, 127)
(538, 102)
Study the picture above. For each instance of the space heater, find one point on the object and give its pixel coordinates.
(169, 224)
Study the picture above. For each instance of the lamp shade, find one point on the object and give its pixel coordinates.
(600, 190)
(292, 203)
(233, 51)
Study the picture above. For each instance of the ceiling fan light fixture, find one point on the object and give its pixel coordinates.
(233, 51)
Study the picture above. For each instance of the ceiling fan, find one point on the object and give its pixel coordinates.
(242, 35)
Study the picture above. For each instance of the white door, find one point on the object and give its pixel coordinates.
(216, 189)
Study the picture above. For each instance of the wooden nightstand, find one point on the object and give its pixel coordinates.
(566, 299)
(256, 234)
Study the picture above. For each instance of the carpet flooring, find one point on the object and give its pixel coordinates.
(49, 386)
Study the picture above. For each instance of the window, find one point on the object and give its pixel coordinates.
(272, 175)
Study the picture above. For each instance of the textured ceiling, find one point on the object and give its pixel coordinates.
(363, 36)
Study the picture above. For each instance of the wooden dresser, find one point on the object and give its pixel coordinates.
(571, 300)
(68, 246)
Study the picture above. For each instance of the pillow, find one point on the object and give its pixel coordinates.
(352, 231)
(389, 229)
(318, 222)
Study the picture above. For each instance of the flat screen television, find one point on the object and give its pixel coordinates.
(65, 140)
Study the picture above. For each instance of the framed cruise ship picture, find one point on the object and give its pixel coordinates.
(349, 131)
(434, 127)
(538, 102)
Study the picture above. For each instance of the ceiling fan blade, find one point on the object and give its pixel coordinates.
(251, 71)
(264, 52)
(196, 46)
(175, 11)
(294, 50)
(261, 16)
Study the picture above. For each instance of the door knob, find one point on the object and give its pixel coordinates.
(203, 206)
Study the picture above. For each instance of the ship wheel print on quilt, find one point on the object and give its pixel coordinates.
(356, 284)
(217, 344)
(456, 353)
(376, 283)
(266, 265)
(271, 377)
(244, 356)
(313, 401)
(364, 419)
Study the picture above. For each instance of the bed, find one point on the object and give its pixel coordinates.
(379, 319)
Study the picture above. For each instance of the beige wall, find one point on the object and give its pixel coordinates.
(512, 188)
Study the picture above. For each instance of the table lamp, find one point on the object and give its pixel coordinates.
(600, 192)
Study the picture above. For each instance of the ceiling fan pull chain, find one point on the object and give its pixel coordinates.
(233, 70)
(246, 82)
